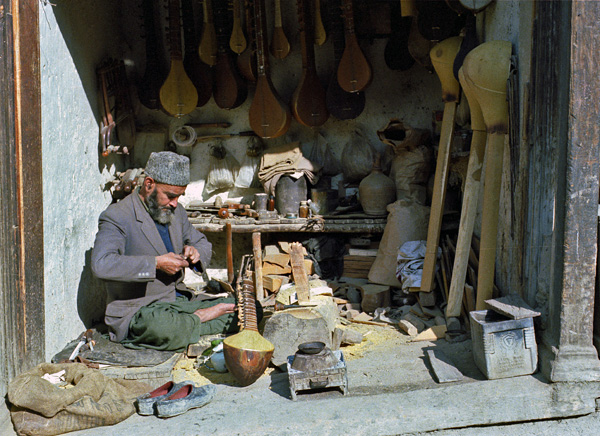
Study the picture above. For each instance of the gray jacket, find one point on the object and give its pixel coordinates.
(124, 254)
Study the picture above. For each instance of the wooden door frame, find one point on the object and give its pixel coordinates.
(22, 325)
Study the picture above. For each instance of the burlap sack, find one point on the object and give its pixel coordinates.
(407, 221)
(40, 408)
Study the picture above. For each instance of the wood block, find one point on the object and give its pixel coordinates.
(363, 317)
(420, 325)
(427, 299)
(365, 252)
(274, 282)
(432, 312)
(408, 327)
(273, 269)
(271, 249)
(352, 313)
(299, 273)
(416, 309)
(285, 247)
(443, 367)
(512, 306)
(289, 328)
(282, 260)
(309, 266)
(432, 334)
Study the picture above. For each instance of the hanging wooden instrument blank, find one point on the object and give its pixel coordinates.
(320, 34)
(341, 104)
(198, 72)
(230, 90)
(269, 117)
(247, 353)
(237, 41)
(280, 46)
(354, 71)
(308, 102)
(154, 74)
(208, 41)
(178, 95)
(246, 61)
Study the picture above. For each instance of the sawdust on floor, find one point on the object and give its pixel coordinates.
(374, 337)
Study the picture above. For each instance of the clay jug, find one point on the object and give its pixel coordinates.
(376, 191)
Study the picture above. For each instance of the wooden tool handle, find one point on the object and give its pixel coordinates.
(229, 251)
(257, 252)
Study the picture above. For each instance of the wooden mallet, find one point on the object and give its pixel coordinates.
(442, 57)
(487, 67)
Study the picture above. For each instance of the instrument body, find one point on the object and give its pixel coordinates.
(178, 95)
(354, 71)
(154, 74)
(342, 104)
(199, 73)
(269, 117)
(247, 353)
(308, 101)
(237, 41)
(230, 91)
(208, 41)
(280, 46)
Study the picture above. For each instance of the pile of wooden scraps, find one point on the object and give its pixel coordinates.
(277, 265)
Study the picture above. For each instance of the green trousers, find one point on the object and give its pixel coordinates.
(173, 326)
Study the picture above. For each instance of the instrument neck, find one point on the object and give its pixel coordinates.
(306, 34)
(348, 15)
(222, 27)
(336, 30)
(189, 28)
(262, 56)
(175, 30)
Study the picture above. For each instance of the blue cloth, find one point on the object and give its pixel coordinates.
(163, 231)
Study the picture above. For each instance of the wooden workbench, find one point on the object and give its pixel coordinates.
(356, 223)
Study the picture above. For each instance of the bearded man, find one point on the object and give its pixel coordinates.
(143, 244)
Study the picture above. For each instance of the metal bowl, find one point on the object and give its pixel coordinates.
(311, 347)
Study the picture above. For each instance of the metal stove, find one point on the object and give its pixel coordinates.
(315, 366)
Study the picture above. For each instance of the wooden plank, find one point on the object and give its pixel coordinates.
(443, 367)
(431, 334)
(21, 216)
(512, 306)
(257, 252)
(299, 272)
(282, 259)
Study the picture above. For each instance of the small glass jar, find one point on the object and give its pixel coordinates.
(303, 210)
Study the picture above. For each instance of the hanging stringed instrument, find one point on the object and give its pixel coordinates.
(178, 95)
(247, 353)
(269, 117)
(208, 41)
(237, 41)
(308, 101)
(229, 90)
(280, 46)
(341, 104)
(155, 74)
(354, 71)
(246, 61)
(198, 72)
(320, 34)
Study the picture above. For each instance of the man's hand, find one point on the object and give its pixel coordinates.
(171, 263)
(215, 311)
(191, 254)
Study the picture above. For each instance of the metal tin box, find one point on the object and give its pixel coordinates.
(503, 347)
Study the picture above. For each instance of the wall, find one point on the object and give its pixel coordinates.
(74, 38)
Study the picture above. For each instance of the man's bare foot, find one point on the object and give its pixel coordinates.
(215, 311)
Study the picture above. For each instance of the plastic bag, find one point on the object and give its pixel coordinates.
(222, 171)
(357, 159)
